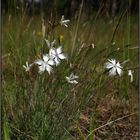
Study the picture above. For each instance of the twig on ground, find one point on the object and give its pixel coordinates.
(109, 123)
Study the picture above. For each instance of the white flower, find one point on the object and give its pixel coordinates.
(45, 64)
(50, 44)
(114, 67)
(131, 75)
(64, 22)
(72, 79)
(56, 55)
(27, 66)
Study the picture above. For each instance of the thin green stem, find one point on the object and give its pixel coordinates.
(77, 27)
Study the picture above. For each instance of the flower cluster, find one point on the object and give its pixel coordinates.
(55, 55)
(53, 58)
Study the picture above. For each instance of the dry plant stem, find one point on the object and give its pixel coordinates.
(20, 132)
(29, 24)
(69, 133)
(109, 123)
(77, 26)
(6, 55)
(23, 14)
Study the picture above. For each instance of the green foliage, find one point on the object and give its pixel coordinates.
(46, 106)
(6, 129)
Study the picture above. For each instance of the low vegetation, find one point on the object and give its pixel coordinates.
(94, 102)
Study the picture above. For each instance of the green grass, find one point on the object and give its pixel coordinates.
(46, 107)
